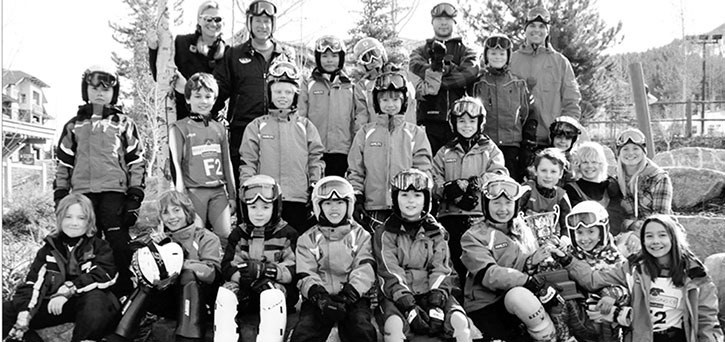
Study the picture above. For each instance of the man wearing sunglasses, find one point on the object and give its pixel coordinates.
(446, 67)
(242, 72)
(549, 76)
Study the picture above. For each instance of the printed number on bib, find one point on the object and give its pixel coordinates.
(213, 167)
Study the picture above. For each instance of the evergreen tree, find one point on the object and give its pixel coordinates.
(376, 21)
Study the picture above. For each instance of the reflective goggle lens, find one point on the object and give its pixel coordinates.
(209, 19)
(389, 80)
(539, 13)
(417, 181)
(444, 9)
(265, 192)
(283, 69)
(370, 56)
(263, 7)
(328, 43)
(631, 135)
(97, 78)
(574, 220)
(502, 43)
(335, 188)
(494, 189)
(467, 107)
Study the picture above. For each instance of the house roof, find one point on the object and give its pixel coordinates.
(7, 98)
(15, 76)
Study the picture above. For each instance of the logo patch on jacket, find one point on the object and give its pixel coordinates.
(501, 245)
(376, 144)
(318, 92)
(451, 160)
(245, 60)
(267, 136)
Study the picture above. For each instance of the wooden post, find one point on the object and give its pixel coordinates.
(636, 78)
(688, 117)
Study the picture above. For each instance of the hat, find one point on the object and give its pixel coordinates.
(538, 13)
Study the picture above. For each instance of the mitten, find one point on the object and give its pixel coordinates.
(131, 205)
(418, 320)
(451, 190)
(437, 51)
(436, 317)
(405, 303)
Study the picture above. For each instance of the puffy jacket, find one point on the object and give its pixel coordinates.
(495, 258)
(364, 108)
(331, 257)
(241, 76)
(89, 266)
(554, 84)
(700, 318)
(439, 90)
(649, 193)
(412, 258)
(329, 105)
(99, 155)
(202, 251)
(273, 244)
(452, 163)
(287, 149)
(508, 105)
(380, 151)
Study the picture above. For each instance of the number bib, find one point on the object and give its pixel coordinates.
(665, 304)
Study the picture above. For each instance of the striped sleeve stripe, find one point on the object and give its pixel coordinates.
(36, 288)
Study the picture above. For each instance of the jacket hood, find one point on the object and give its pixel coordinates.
(397, 225)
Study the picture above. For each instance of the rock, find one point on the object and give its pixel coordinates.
(699, 157)
(57, 333)
(693, 186)
(716, 269)
(705, 234)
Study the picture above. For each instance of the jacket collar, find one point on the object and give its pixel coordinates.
(183, 234)
(339, 77)
(529, 50)
(86, 111)
(335, 233)
(247, 48)
(391, 123)
(482, 140)
(268, 229)
(449, 40)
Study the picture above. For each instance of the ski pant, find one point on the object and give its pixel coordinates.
(355, 326)
(248, 295)
(93, 313)
(212, 205)
(335, 164)
(495, 322)
(388, 308)
(298, 215)
(514, 162)
(438, 133)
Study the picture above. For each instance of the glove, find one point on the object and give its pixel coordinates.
(329, 308)
(436, 316)
(418, 320)
(250, 271)
(436, 298)
(623, 315)
(405, 303)
(270, 271)
(58, 195)
(348, 294)
(547, 293)
(437, 51)
(451, 190)
(131, 205)
(359, 213)
(563, 260)
(467, 202)
(22, 325)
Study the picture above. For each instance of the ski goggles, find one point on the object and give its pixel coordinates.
(209, 19)
(498, 42)
(334, 188)
(469, 107)
(584, 219)
(370, 56)
(266, 192)
(565, 129)
(280, 69)
(262, 8)
(494, 189)
(630, 135)
(538, 14)
(444, 9)
(390, 80)
(329, 43)
(99, 78)
(412, 180)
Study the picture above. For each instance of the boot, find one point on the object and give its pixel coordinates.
(191, 307)
(132, 313)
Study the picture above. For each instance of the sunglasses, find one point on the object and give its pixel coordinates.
(390, 81)
(334, 188)
(411, 180)
(329, 43)
(630, 135)
(104, 79)
(209, 19)
(268, 193)
(444, 9)
(262, 8)
(498, 42)
(586, 220)
(496, 188)
(370, 56)
(280, 69)
(471, 108)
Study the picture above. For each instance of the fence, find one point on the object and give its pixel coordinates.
(22, 177)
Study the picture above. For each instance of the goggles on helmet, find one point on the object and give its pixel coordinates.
(329, 43)
(469, 107)
(100, 78)
(266, 192)
(370, 56)
(498, 42)
(496, 188)
(564, 128)
(280, 69)
(390, 80)
(630, 135)
(262, 8)
(583, 219)
(444, 9)
(334, 188)
(539, 13)
(411, 180)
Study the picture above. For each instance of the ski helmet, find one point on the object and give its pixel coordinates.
(369, 49)
(566, 126)
(412, 179)
(283, 71)
(265, 188)
(471, 106)
(332, 187)
(588, 214)
(258, 8)
(390, 81)
(497, 41)
(154, 263)
(332, 43)
(498, 185)
(97, 75)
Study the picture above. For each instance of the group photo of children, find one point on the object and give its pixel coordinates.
(455, 197)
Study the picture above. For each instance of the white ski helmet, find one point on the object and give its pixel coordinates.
(154, 263)
(588, 214)
(333, 187)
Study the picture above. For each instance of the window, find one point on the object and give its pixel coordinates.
(23, 98)
(36, 98)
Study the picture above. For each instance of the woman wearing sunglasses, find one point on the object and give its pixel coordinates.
(196, 52)
(647, 188)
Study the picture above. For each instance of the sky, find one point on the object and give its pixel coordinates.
(56, 40)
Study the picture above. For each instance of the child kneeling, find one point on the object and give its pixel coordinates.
(336, 267)
(411, 250)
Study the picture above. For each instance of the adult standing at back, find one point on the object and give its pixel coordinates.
(242, 74)
(548, 74)
(446, 68)
(196, 52)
